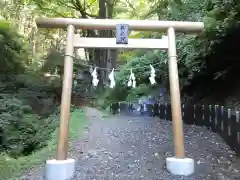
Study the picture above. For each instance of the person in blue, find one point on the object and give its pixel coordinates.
(161, 95)
(145, 104)
(141, 107)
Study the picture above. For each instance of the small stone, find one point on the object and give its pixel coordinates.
(131, 166)
(198, 162)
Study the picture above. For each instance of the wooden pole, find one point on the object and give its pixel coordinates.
(178, 134)
(62, 146)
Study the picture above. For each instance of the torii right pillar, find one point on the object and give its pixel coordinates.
(178, 165)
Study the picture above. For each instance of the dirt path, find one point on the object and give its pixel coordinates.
(135, 148)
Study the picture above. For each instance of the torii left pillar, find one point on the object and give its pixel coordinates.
(63, 168)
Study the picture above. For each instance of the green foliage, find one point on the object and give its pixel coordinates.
(54, 62)
(141, 69)
(220, 18)
(41, 93)
(11, 167)
(141, 90)
(4, 24)
(21, 131)
(27, 99)
(13, 54)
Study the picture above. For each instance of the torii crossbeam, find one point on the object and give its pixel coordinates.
(63, 168)
(110, 43)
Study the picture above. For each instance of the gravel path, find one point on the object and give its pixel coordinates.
(135, 148)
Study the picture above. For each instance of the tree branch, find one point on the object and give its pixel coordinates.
(48, 9)
(64, 4)
(78, 7)
(131, 6)
(91, 15)
(113, 2)
(89, 5)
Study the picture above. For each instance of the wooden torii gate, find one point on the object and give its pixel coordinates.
(63, 168)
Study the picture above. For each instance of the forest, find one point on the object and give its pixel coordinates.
(32, 62)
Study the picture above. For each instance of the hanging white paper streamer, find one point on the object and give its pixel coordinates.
(152, 77)
(111, 77)
(129, 82)
(95, 78)
(132, 80)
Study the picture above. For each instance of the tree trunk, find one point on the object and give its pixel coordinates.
(112, 53)
(103, 52)
(100, 57)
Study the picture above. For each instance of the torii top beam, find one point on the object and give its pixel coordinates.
(110, 24)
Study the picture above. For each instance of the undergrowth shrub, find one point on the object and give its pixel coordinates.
(22, 132)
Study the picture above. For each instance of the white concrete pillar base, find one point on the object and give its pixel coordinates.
(177, 166)
(59, 169)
